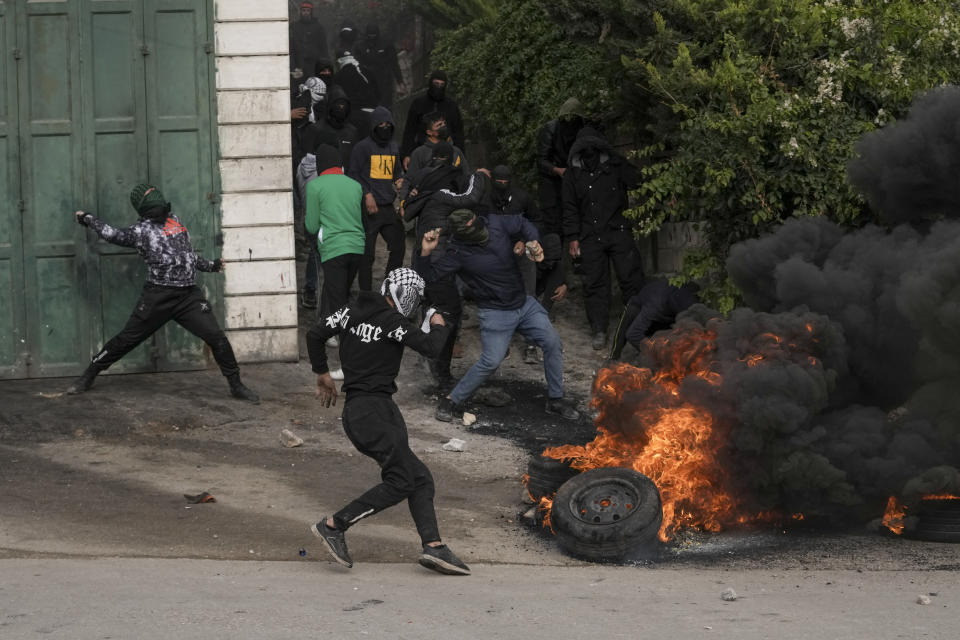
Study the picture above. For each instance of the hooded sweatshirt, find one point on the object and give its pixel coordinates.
(372, 337)
(340, 134)
(375, 165)
(594, 188)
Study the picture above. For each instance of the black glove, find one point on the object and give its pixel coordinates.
(83, 218)
(217, 265)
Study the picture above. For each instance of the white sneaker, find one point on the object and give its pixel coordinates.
(333, 342)
(336, 374)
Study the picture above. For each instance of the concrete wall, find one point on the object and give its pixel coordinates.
(253, 122)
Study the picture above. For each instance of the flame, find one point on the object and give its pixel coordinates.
(893, 516)
(545, 507)
(645, 423)
(941, 496)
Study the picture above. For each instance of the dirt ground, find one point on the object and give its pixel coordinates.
(105, 473)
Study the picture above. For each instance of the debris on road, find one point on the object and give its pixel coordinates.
(455, 444)
(290, 439)
(922, 599)
(199, 498)
(468, 418)
(728, 595)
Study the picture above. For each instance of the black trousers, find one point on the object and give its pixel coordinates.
(338, 275)
(445, 296)
(385, 222)
(618, 247)
(157, 306)
(376, 428)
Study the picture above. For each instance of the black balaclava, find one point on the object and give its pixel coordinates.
(327, 158)
(500, 190)
(348, 35)
(324, 70)
(590, 158)
(442, 154)
(382, 133)
(372, 35)
(437, 93)
(338, 112)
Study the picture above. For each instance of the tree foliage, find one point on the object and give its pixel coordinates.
(744, 112)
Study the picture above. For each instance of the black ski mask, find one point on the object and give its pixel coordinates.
(382, 133)
(437, 93)
(337, 113)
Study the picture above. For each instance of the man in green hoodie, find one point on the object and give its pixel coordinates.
(335, 219)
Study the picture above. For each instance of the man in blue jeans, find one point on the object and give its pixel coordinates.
(481, 252)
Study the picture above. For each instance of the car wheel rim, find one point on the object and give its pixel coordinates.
(607, 503)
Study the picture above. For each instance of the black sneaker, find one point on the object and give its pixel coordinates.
(335, 542)
(241, 391)
(447, 411)
(442, 560)
(561, 407)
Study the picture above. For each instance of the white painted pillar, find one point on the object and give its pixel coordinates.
(253, 124)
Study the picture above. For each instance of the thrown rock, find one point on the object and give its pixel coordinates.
(200, 498)
(290, 439)
(922, 599)
(728, 595)
(468, 418)
(455, 444)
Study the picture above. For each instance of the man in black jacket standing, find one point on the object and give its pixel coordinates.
(595, 189)
(373, 332)
(381, 59)
(170, 292)
(308, 40)
(554, 142)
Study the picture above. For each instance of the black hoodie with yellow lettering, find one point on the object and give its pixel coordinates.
(374, 163)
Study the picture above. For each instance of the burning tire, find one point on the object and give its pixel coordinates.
(603, 514)
(546, 475)
(939, 521)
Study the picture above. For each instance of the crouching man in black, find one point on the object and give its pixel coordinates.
(169, 293)
(373, 331)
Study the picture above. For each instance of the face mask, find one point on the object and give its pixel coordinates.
(382, 134)
(476, 233)
(443, 132)
(437, 93)
(500, 188)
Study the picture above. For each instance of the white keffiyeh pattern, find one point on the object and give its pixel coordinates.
(405, 287)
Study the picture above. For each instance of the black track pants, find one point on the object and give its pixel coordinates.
(385, 222)
(376, 428)
(598, 252)
(157, 306)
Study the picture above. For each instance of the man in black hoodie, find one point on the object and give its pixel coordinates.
(381, 59)
(170, 292)
(336, 129)
(375, 164)
(429, 196)
(360, 86)
(595, 188)
(373, 332)
(435, 100)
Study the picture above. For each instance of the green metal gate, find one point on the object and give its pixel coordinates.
(97, 95)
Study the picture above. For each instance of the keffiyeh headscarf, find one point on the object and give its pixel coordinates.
(405, 287)
(318, 93)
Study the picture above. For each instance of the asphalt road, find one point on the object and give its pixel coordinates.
(152, 599)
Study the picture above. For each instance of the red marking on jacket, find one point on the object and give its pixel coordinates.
(172, 227)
